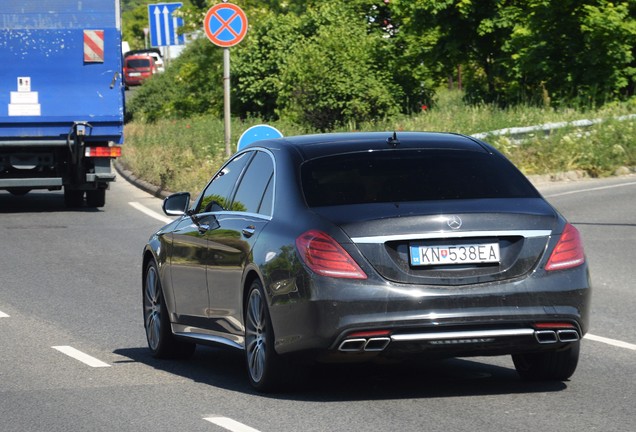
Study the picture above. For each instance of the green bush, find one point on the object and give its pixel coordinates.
(192, 85)
(329, 81)
(183, 154)
(306, 69)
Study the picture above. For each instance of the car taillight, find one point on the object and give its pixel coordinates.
(568, 252)
(326, 257)
(102, 151)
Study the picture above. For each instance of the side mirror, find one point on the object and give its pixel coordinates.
(176, 204)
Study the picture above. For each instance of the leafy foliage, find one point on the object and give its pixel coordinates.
(190, 86)
(325, 64)
(183, 154)
(309, 71)
(571, 50)
(537, 51)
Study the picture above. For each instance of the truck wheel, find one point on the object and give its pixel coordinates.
(73, 198)
(96, 198)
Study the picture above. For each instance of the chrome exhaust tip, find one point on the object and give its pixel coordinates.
(546, 336)
(568, 335)
(377, 344)
(352, 345)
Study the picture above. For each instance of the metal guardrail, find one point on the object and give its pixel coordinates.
(519, 133)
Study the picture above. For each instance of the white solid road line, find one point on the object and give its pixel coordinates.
(151, 213)
(612, 342)
(78, 355)
(591, 189)
(3, 315)
(229, 424)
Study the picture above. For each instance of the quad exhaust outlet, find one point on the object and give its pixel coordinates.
(554, 336)
(379, 340)
(374, 344)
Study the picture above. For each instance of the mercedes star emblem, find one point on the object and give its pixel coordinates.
(454, 222)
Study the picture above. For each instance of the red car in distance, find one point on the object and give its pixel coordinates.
(138, 68)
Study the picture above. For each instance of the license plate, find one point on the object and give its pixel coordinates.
(135, 74)
(424, 255)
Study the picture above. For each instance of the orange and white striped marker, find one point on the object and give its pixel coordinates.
(94, 46)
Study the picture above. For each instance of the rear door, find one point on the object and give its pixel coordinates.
(230, 245)
(190, 251)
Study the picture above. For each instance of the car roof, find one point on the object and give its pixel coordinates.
(139, 56)
(143, 51)
(319, 145)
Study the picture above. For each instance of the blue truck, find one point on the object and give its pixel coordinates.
(61, 97)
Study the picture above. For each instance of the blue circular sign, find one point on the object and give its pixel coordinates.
(258, 133)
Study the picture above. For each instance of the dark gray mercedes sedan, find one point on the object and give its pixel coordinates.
(363, 247)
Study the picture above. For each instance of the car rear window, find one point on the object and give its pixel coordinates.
(138, 63)
(411, 175)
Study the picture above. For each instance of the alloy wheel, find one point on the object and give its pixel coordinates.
(152, 308)
(256, 336)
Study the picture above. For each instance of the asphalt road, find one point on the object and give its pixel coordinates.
(70, 287)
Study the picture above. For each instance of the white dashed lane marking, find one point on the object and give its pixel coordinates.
(153, 214)
(229, 424)
(3, 315)
(612, 342)
(78, 355)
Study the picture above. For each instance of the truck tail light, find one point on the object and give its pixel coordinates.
(326, 257)
(111, 152)
(568, 253)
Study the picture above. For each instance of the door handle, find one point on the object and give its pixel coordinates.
(249, 231)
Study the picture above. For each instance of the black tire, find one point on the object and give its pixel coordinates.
(161, 341)
(267, 371)
(96, 198)
(556, 365)
(73, 198)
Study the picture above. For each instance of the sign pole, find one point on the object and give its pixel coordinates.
(225, 25)
(226, 100)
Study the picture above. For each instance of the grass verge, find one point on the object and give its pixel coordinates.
(181, 155)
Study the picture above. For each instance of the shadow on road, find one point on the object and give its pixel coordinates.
(329, 383)
(38, 202)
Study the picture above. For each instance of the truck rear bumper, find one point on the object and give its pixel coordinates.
(33, 183)
(51, 182)
(100, 177)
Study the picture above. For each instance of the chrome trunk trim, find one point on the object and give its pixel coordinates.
(476, 334)
(450, 234)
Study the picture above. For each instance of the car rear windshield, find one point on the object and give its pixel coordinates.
(408, 175)
(138, 63)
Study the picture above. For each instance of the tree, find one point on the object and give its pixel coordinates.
(192, 85)
(321, 69)
(571, 50)
(511, 51)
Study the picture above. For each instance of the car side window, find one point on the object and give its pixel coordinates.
(216, 195)
(255, 192)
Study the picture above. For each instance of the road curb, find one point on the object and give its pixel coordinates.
(129, 176)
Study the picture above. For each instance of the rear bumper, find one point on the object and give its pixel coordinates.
(488, 319)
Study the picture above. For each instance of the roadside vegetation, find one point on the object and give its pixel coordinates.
(181, 155)
(463, 66)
